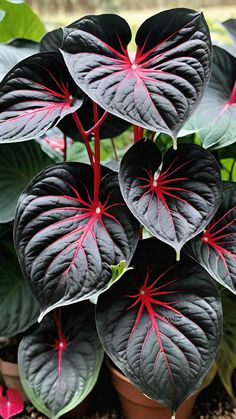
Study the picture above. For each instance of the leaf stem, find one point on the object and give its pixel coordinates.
(97, 124)
(177, 255)
(114, 149)
(232, 171)
(175, 143)
(85, 136)
(65, 148)
(96, 168)
(138, 133)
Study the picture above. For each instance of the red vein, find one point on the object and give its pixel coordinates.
(61, 343)
(146, 298)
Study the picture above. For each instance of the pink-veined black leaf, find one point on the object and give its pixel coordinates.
(59, 363)
(161, 86)
(34, 96)
(161, 323)
(215, 248)
(67, 243)
(175, 198)
(110, 127)
(217, 128)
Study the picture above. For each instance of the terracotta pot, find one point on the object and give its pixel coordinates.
(136, 405)
(11, 377)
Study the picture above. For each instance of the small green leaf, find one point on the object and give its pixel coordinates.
(118, 271)
(28, 26)
(228, 169)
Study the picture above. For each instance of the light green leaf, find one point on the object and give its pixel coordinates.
(118, 271)
(19, 21)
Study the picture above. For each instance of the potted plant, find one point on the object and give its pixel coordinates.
(78, 227)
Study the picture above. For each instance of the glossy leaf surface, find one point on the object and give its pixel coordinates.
(161, 324)
(60, 362)
(66, 241)
(174, 201)
(19, 310)
(215, 248)
(11, 404)
(34, 96)
(111, 126)
(19, 163)
(160, 87)
(217, 128)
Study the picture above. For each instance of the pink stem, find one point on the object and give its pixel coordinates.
(85, 137)
(97, 124)
(97, 171)
(65, 148)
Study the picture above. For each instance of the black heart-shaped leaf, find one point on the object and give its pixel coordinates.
(161, 323)
(67, 242)
(111, 126)
(60, 362)
(159, 89)
(34, 96)
(217, 128)
(215, 248)
(52, 41)
(174, 199)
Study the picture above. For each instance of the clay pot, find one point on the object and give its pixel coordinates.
(136, 405)
(10, 374)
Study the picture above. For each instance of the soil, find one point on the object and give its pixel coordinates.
(212, 403)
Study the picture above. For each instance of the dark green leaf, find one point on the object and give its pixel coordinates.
(18, 308)
(19, 163)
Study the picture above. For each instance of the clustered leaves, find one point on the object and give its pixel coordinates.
(78, 226)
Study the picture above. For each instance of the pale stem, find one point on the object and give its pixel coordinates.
(175, 143)
(177, 255)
